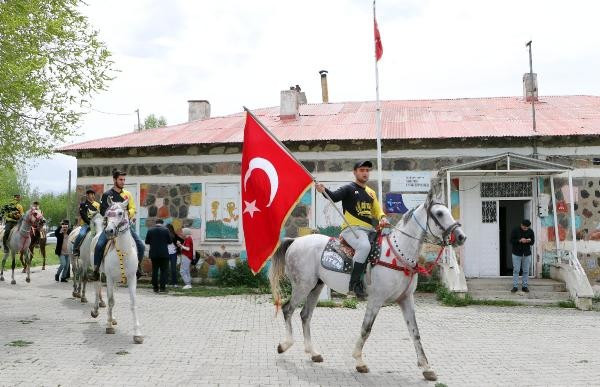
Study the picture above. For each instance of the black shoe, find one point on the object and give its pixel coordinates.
(56, 277)
(513, 290)
(95, 274)
(138, 273)
(163, 290)
(525, 289)
(155, 290)
(76, 252)
(63, 280)
(356, 284)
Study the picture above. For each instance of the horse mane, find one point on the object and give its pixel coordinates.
(408, 215)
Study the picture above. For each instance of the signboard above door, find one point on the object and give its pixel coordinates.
(410, 181)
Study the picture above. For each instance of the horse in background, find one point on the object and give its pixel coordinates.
(82, 262)
(38, 239)
(19, 241)
(119, 264)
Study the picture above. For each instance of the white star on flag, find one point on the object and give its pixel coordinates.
(251, 208)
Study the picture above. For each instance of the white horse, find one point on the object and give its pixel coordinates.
(394, 278)
(119, 264)
(82, 262)
(19, 241)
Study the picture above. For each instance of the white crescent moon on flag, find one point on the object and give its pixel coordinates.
(265, 165)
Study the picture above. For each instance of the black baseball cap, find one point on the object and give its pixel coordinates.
(116, 173)
(526, 222)
(363, 163)
(90, 191)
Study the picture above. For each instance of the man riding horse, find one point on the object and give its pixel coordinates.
(12, 212)
(361, 209)
(89, 206)
(117, 194)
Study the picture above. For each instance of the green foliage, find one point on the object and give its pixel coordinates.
(54, 206)
(19, 343)
(350, 303)
(51, 258)
(449, 298)
(327, 304)
(241, 276)
(567, 304)
(152, 121)
(52, 62)
(12, 182)
(212, 291)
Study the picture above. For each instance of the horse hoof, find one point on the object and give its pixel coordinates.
(24, 271)
(13, 282)
(138, 339)
(317, 358)
(102, 304)
(1, 278)
(429, 375)
(43, 267)
(28, 280)
(83, 300)
(280, 349)
(94, 314)
(114, 322)
(110, 331)
(362, 369)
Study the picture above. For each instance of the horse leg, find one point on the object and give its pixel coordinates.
(28, 258)
(299, 294)
(98, 287)
(137, 331)
(3, 263)
(373, 306)
(22, 261)
(14, 263)
(75, 265)
(43, 252)
(306, 315)
(110, 293)
(408, 310)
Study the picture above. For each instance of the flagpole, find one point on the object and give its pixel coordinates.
(285, 148)
(378, 125)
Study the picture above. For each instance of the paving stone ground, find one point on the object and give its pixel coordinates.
(232, 341)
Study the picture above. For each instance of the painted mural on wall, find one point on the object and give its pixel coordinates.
(222, 212)
(298, 223)
(178, 204)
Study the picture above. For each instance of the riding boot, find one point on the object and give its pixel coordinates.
(356, 284)
(139, 272)
(96, 274)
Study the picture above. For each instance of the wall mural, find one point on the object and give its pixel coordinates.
(178, 204)
(222, 212)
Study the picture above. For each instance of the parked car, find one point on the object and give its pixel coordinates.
(50, 238)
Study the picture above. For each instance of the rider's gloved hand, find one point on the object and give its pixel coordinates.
(384, 226)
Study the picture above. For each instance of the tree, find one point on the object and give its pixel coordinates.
(13, 182)
(51, 63)
(152, 122)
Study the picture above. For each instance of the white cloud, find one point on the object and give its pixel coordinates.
(236, 53)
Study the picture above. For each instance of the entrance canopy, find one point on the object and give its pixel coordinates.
(512, 164)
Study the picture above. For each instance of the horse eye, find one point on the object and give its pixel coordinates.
(439, 214)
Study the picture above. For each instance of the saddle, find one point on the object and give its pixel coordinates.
(338, 255)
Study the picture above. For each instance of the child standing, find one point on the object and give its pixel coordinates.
(187, 251)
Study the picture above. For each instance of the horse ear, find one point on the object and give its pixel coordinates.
(436, 191)
(125, 204)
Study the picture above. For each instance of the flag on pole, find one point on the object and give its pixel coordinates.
(272, 183)
(378, 45)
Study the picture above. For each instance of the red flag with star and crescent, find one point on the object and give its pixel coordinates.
(272, 184)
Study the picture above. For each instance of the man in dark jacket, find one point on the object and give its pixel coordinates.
(158, 238)
(61, 250)
(521, 239)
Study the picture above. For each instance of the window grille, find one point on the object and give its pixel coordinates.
(509, 189)
(488, 211)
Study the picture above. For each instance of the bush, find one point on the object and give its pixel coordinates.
(241, 275)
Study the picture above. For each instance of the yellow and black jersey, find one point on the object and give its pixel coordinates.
(85, 208)
(117, 197)
(360, 204)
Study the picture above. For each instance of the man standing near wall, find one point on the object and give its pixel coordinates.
(158, 238)
(521, 239)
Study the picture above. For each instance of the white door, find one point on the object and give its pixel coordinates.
(489, 244)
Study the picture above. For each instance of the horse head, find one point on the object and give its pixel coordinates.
(96, 220)
(34, 216)
(441, 224)
(117, 219)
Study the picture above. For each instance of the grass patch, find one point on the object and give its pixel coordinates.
(122, 353)
(19, 343)
(441, 385)
(449, 298)
(51, 258)
(213, 291)
(566, 304)
(349, 303)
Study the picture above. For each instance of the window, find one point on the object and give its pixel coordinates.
(488, 211)
(507, 189)
(222, 212)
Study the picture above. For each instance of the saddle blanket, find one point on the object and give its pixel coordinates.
(337, 256)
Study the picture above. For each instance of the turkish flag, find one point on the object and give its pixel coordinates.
(378, 45)
(272, 183)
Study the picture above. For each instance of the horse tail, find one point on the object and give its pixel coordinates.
(277, 271)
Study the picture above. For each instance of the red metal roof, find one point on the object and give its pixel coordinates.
(419, 119)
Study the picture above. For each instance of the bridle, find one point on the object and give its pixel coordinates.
(122, 226)
(430, 237)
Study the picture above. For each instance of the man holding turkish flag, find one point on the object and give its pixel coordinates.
(272, 183)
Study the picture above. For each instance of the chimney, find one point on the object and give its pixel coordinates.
(199, 109)
(530, 89)
(324, 89)
(288, 108)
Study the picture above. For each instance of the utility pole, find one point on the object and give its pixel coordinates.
(138, 116)
(533, 87)
(69, 199)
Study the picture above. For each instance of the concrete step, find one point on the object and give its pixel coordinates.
(537, 284)
(518, 296)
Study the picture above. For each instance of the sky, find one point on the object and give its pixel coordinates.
(243, 53)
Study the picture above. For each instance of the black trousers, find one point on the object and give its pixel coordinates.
(160, 264)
